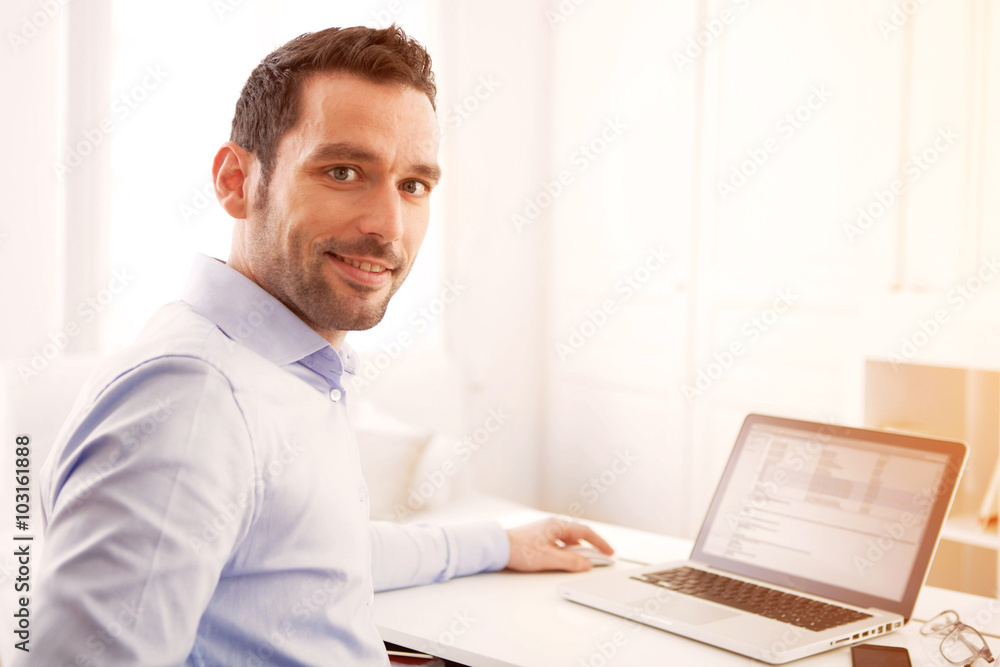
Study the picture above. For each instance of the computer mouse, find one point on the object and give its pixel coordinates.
(595, 556)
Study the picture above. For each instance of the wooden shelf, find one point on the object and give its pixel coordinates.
(965, 529)
(961, 403)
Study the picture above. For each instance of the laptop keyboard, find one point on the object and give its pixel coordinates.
(761, 600)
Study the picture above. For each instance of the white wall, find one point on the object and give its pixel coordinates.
(29, 226)
(496, 61)
(535, 81)
(879, 95)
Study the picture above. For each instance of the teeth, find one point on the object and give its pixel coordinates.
(364, 266)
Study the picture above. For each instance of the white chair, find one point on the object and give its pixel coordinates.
(33, 403)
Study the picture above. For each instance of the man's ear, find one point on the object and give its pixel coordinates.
(231, 176)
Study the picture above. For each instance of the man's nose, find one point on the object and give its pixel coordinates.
(384, 217)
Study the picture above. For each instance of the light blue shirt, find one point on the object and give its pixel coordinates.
(204, 503)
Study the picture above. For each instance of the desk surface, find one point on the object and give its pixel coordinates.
(508, 618)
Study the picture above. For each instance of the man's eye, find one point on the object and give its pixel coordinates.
(415, 188)
(343, 174)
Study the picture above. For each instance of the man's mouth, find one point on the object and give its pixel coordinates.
(364, 266)
(362, 273)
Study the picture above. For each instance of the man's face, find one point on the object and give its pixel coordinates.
(347, 206)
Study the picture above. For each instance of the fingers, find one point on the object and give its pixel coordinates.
(574, 532)
(560, 559)
(548, 558)
(539, 546)
(570, 532)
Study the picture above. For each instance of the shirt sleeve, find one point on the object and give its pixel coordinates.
(416, 554)
(144, 502)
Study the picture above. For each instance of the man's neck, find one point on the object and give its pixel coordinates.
(335, 338)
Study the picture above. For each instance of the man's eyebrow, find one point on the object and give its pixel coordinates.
(345, 151)
(341, 151)
(431, 172)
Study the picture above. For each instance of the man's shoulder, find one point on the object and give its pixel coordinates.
(176, 334)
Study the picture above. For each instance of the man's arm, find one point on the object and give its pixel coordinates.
(412, 555)
(140, 521)
(415, 554)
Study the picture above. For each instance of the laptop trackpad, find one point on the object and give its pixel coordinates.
(685, 609)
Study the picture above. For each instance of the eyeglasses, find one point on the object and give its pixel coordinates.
(961, 644)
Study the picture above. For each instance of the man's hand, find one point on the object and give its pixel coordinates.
(538, 546)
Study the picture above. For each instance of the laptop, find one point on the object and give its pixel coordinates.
(819, 536)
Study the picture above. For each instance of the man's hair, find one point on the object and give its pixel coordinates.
(269, 104)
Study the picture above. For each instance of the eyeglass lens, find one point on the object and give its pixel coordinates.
(962, 645)
(941, 623)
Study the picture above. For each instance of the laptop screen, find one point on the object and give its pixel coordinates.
(852, 514)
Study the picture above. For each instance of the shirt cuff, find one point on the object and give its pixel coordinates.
(479, 546)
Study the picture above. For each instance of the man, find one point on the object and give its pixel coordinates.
(204, 503)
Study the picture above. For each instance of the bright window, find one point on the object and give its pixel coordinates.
(178, 71)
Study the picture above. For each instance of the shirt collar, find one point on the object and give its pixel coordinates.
(252, 317)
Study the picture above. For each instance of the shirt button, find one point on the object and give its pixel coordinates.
(335, 394)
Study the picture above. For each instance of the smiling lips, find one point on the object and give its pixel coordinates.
(362, 271)
(364, 266)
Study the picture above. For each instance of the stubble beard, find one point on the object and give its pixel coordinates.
(299, 278)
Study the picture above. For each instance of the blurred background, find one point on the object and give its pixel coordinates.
(655, 218)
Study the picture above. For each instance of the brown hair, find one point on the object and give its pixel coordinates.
(269, 104)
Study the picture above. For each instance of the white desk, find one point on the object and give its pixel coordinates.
(507, 618)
